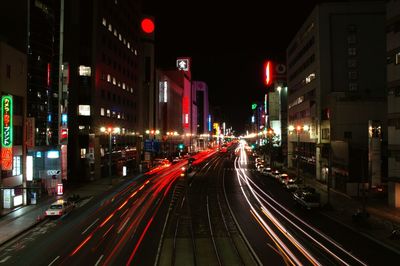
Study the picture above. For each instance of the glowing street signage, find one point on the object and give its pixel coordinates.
(185, 111)
(209, 123)
(268, 73)
(6, 132)
(182, 64)
(253, 106)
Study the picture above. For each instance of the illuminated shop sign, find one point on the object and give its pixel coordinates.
(6, 132)
(185, 107)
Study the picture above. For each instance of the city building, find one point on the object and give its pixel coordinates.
(204, 126)
(393, 83)
(169, 112)
(104, 86)
(13, 84)
(336, 73)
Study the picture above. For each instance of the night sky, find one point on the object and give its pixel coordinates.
(228, 43)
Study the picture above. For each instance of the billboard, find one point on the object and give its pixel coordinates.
(6, 132)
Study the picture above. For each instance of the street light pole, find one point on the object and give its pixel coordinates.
(297, 157)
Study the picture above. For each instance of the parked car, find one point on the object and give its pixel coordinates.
(266, 171)
(307, 197)
(59, 208)
(291, 185)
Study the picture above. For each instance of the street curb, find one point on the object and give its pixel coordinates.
(362, 233)
(36, 223)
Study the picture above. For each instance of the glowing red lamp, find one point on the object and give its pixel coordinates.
(147, 25)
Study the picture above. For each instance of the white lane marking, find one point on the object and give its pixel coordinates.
(123, 226)
(5, 259)
(98, 261)
(54, 260)
(90, 226)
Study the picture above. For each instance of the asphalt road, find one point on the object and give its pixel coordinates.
(223, 213)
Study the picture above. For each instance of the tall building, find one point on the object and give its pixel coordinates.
(335, 75)
(13, 65)
(169, 115)
(35, 32)
(203, 124)
(102, 49)
(393, 83)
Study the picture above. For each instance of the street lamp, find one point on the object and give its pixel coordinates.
(298, 129)
(110, 131)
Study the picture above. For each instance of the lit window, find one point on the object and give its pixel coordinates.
(131, 90)
(102, 111)
(16, 165)
(398, 58)
(84, 110)
(108, 77)
(108, 113)
(39, 95)
(83, 152)
(81, 128)
(85, 71)
(115, 33)
(123, 86)
(120, 37)
(114, 81)
(129, 45)
(135, 52)
(110, 27)
(104, 22)
(113, 114)
(119, 115)
(123, 116)
(124, 41)
(119, 84)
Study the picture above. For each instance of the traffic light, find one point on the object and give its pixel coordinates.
(181, 146)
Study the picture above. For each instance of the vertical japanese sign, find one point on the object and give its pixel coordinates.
(185, 111)
(6, 132)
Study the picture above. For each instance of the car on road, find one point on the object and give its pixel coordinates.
(59, 208)
(291, 185)
(266, 171)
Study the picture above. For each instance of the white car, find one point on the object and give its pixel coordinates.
(59, 208)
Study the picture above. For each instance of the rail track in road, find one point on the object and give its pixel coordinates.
(200, 229)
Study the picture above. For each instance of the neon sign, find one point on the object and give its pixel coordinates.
(185, 109)
(6, 132)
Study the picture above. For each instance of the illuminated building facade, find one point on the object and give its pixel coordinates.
(393, 84)
(102, 48)
(335, 70)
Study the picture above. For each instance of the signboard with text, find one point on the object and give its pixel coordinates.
(6, 132)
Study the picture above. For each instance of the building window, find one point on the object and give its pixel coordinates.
(352, 63)
(120, 37)
(8, 71)
(129, 45)
(104, 22)
(84, 110)
(353, 86)
(352, 75)
(115, 33)
(108, 112)
(16, 165)
(114, 81)
(351, 39)
(352, 51)
(398, 58)
(108, 77)
(102, 111)
(85, 71)
(325, 133)
(83, 153)
(347, 134)
(109, 27)
(113, 114)
(123, 86)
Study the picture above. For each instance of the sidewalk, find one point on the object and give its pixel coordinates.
(15, 222)
(378, 227)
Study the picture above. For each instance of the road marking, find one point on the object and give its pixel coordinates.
(98, 261)
(122, 227)
(54, 260)
(90, 226)
(5, 259)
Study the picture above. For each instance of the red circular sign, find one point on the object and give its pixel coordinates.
(147, 25)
